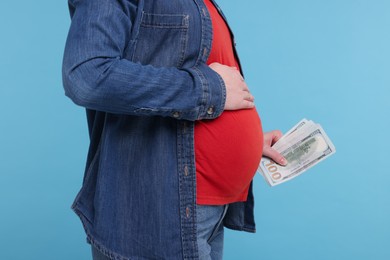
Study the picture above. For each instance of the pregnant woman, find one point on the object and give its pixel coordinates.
(175, 139)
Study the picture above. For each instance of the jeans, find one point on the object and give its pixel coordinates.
(209, 235)
(210, 231)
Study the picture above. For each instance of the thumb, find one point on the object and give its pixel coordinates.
(274, 155)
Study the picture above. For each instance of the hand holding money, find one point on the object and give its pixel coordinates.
(270, 138)
(302, 146)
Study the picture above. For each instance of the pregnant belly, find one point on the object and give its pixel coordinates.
(227, 153)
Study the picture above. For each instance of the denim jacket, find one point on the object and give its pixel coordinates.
(139, 68)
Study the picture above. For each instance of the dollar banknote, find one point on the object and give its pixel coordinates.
(303, 146)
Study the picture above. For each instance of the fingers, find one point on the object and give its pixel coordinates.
(274, 155)
(248, 104)
(270, 138)
(240, 77)
(276, 135)
(244, 86)
(247, 100)
(238, 95)
(249, 97)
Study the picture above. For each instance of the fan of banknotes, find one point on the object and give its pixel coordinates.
(303, 146)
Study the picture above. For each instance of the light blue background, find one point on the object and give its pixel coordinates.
(325, 60)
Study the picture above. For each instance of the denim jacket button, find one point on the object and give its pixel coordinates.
(210, 111)
(187, 212)
(186, 172)
(176, 114)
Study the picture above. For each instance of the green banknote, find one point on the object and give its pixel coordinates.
(305, 145)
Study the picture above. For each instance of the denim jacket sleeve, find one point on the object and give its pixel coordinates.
(96, 75)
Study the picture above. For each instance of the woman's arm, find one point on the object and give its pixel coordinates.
(96, 76)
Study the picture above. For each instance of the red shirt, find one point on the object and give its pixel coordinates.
(227, 149)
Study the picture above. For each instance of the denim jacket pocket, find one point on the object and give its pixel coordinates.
(162, 40)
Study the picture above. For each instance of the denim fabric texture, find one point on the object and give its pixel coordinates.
(210, 231)
(139, 68)
(97, 255)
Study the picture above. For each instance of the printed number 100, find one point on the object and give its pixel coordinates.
(273, 169)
